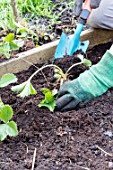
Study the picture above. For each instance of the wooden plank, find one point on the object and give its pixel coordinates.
(97, 36)
(43, 53)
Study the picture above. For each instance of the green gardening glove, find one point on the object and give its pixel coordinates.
(90, 84)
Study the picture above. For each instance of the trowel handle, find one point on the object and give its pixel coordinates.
(85, 12)
(87, 6)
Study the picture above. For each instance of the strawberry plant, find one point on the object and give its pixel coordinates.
(26, 88)
(61, 77)
(7, 127)
(49, 100)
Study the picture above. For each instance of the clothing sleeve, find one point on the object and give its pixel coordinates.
(102, 17)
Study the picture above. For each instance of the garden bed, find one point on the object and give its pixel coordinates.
(36, 28)
(73, 140)
(22, 61)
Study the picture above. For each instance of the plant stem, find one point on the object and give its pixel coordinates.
(50, 65)
(72, 67)
(15, 11)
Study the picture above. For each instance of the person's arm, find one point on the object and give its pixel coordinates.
(90, 84)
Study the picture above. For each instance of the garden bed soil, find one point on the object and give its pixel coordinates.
(80, 139)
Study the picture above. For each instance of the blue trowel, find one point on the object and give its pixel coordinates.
(67, 46)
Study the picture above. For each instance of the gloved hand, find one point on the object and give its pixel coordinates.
(78, 6)
(70, 94)
(88, 85)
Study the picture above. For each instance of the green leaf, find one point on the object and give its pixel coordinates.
(6, 113)
(45, 90)
(4, 47)
(49, 100)
(6, 54)
(50, 106)
(13, 46)
(56, 70)
(49, 97)
(9, 37)
(25, 89)
(9, 129)
(7, 79)
(57, 76)
(1, 103)
(20, 43)
(18, 88)
(24, 34)
(46, 37)
(87, 62)
(23, 31)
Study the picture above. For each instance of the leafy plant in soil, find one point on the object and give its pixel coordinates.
(7, 127)
(32, 33)
(49, 100)
(9, 44)
(60, 76)
(26, 88)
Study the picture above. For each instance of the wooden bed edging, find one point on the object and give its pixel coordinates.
(41, 54)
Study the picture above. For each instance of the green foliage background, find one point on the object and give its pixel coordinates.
(36, 8)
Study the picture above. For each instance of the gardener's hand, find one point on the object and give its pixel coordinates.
(90, 84)
(78, 6)
(70, 94)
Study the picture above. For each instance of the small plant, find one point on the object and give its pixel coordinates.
(7, 127)
(9, 44)
(49, 100)
(22, 32)
(61, 77)
(26, 88)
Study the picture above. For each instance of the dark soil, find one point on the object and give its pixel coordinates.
(80, 139)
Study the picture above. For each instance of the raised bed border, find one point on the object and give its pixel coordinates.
(41, 54)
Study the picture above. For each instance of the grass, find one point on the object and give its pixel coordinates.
(35, 8)
(6, 16)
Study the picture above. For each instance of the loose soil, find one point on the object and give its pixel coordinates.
(80, 139)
